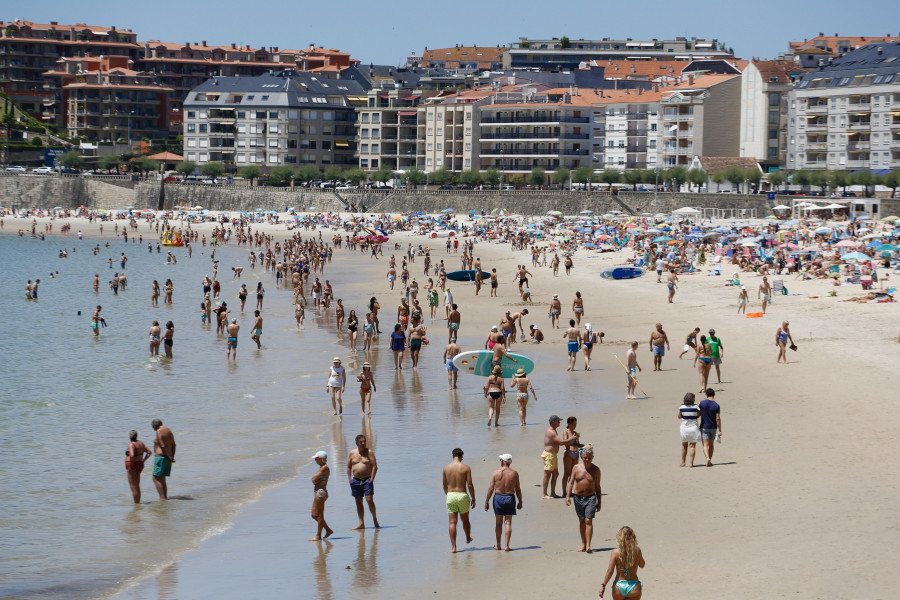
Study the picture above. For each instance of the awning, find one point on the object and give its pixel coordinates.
(385, 96)
(341, 143)
(411, 96)
(407, 113)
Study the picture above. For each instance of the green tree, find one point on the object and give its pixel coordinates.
(213, 170)
(146, 165)
(414, 177)
(776, 179)
(583, 175)
(697, 177)
(307, 173)
(332, 173)
(754, 176)
(185, 167)
(718, 178)
(250, 173)
(70, 160)
(564, 42)
(36, 141)
(735, 176)
(819, 179)
(561, 176)
(633, 177)
(440, 177)
(892, 180)
(800, 178)
(382, 175)
(281, 176)
(108, 163)
(678, 176)
(491, 177)
(355, 175)
(516, 181)
(841, 179)
(610, 176)
(866, 179)
(538, 176)
(470, 177)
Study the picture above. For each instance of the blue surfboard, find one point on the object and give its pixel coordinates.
(622, 273)
(467, 275)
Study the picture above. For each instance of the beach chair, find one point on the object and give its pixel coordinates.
(778, 287)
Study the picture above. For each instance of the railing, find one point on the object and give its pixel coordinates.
(817, 109)
(534, 136)
(858, 146)
(534, 151)
(533, 119)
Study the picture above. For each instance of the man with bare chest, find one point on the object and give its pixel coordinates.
(460, 493)
(584, 488)
(361, 470)
(659, 343)
(574, 337)
(506, 490)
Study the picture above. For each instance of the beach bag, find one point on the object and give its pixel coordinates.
(793, 347)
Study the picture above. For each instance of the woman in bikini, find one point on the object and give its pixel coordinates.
(135, 455)
(570, 456)
(368, 332)
(339, 314)
(624, 561)
(167, 291)
(320, 495)
(366, 387)
(373, 308)
(154, 294)
(495, 391)
(578, 309)
(704, 362)
(588, 339)
(154, 338)
(352, 327)
(260, 293)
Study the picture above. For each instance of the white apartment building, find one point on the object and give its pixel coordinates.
(845, 115)
(765, 85)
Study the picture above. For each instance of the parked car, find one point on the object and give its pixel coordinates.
(69, 171)
(16, 169)
(211, 181)
(42, 170)
(171, 179)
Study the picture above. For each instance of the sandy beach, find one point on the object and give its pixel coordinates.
(804, 481)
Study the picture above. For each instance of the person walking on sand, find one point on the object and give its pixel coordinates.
(578, 308)
(704, 361)
(320, 495)
(588, 339)
(366, 387)
(782, 337)
(163, 457)
(631, 363)
(457, 481)
(521, 383)
(550, 456)
(688, 415)
(690, 343)
(361, 470)
(659, 343)
(555, 308)
(337, 381)
(716, 352)
(450, 352)
(570, 452)
(506, 490)
(672, 284)
(765, 293)
(135, 455)
(453, 320)
(584, 487)
(495, 391)
(624, 562)
(574, 337)
(742, 300)
(710, 424)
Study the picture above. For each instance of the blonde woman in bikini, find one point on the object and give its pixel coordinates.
(320, 495)
(625, 561)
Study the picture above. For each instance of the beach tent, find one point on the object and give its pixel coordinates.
(855, 256)
(781, 207)
(687, 210)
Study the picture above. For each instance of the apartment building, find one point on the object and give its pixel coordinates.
(558, 53)
(765, 85)
(628, 130)
(464, 58)
(28, 50)
(388, 129)
(837, 45)
(283, 118)
(701, 117)
(103, 99)
(450, 129)
(846, 114)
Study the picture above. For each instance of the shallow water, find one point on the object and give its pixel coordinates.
(69, 527)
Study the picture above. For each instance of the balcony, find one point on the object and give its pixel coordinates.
(534, 136)
(637, 116)
(858, 164)
(532, 119)
(679, 117)
(817, 146)
(858, 125)
(857, 146)
(817, 126)
(817, 109)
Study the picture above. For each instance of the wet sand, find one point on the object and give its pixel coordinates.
(803, 484)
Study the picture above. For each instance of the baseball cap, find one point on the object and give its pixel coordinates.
(554, 418)
(321, 454)
(506, 457)
(494, 328)
(711, 330)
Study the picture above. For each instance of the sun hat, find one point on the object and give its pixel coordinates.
(520, 372)
(497, 369)
(494, 328)
(365, 364)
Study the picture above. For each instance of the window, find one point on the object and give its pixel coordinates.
(773, 134)
(326, 145)
(430, 147)
(468, 146)
(773, 117)
(430, 117)
(273, 114)
(428, 162)
(192, 156)
(364, 163)
(273, 143)
(191, 114)
(376, 132)
(468, 131)
(468, 116)
(430, 132)
(376, 118)
(364, 148)
(191, 128)
(292, 115)
(468, 162)
(439, 162)
(204, 143)
(365, 117)
(774, 99)
(241, 158)
(192, 143)
(440, 131)
(242, 114)
(202, 127)
(375, 148)
(374, 163)
(440, 147)
(273, 128)
(260, 114)
(364, 133)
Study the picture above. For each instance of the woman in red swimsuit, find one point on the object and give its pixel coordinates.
(135, 455)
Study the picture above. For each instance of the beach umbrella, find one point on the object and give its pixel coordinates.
(589, 245)
(863, 218)
(555, 213)
(60, 208)
(750, 245)
(886, 248)
(661, 239)
(855, 256)
(823, 230)
(313, 208)
(847, 244)
(586, 212)
(198, 208)
(889, 219)
(672, 242)
(448, 210)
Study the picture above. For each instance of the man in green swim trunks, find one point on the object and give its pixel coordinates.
(458, 479)
(163, 457)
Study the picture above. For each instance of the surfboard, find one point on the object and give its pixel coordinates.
(622, 273)
(478, 362)
(467, 275)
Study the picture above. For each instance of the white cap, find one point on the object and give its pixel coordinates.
(321, 454)
(587, 326)
(507, 458)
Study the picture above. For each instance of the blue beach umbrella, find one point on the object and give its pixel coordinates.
(662, 239)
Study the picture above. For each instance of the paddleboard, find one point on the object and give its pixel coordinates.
(478, 362)
(622, 273)
(468, 275)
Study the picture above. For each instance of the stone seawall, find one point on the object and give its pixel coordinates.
(27, 191)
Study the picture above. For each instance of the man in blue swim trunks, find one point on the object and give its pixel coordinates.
(659, 343)
(361, 470)
(574, 337)
(231, 344)
(450, 352)
(505, 489)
